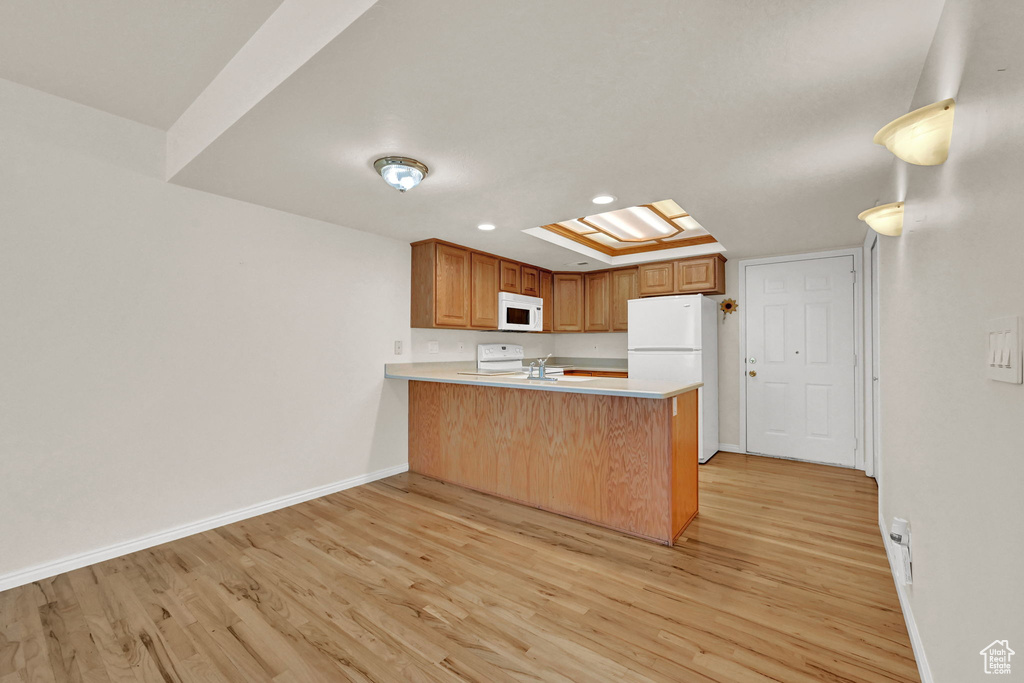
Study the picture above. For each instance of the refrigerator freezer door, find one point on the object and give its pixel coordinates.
(682, 367)
(671, 322)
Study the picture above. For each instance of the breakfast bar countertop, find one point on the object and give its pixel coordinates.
(449, 373)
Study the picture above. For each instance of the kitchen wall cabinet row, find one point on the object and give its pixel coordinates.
(456, 287)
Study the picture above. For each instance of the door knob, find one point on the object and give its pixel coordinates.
(753, 373)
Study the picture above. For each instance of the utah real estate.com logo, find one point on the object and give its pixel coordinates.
(997, 657)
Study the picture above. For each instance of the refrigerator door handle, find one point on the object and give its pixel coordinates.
(662, 348)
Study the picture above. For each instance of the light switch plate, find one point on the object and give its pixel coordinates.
(433, 347)
(1003, 352)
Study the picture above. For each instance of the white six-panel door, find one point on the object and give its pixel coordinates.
(800, 361)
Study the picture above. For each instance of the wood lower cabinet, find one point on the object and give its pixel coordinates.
(704, 275)
(530, 281)
(569, 302)
(657, 278)
(510, 274)
(625, 285)
(597, 316)
(598, 373)
(484, 291)
(547, 293)
(625, 463)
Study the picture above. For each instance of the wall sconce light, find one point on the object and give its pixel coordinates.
(886, 219)
(922, 136)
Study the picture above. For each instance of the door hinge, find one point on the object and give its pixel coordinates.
(854, 276)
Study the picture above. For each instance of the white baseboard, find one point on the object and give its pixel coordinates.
(731, 448)
(67, 564)
(908, 614)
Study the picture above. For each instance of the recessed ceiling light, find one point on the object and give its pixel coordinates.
(485, 226)
(401, 173)
(603, 199)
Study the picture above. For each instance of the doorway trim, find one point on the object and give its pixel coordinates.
(871, 350)
(858, 332)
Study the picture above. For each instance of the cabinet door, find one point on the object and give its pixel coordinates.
(547, 293)
(484, 302)
(598, 302)
(510, 277)
(625, 286)
(451, 287)
(700, 275)
(568, 303)
(657, 278)
(529, 277)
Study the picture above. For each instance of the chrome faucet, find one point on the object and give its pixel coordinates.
(540, 375)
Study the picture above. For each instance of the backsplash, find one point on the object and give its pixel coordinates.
(534, 345)
(591, 345)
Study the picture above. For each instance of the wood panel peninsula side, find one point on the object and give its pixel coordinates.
(604, 457)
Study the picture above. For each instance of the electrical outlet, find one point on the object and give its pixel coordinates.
(433, 347)
(460, 347)
(398, 348)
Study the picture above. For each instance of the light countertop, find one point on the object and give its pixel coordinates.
(609, 386)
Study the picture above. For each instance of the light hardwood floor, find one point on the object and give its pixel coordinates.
(781, 577)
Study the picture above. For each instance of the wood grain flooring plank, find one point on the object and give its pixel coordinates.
(782, 577)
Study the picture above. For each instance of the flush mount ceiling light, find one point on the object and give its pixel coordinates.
(401, 173)
(921, 137)
(886, 219)
(485, 226)
(603, 199)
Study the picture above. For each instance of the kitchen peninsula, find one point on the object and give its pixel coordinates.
(619, 453)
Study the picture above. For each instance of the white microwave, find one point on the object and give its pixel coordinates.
(518, 313)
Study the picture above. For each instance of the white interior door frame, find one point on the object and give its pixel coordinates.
(858, 321)
(870, 341)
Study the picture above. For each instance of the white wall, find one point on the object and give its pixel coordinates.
(729, 362)
(534, 345)
(952, 458)
(590, 345)
(167, 355)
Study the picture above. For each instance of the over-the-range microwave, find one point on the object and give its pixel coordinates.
(518, 313)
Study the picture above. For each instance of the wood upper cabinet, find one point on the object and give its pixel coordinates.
(625, 286)
(657, 278)
(568, 302)
(704, 275)
(510, 274)
(484, 296)
(529, 281)
(547, 293)
(451, 286)
(597, 301)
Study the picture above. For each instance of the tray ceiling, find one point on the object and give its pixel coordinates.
(635, 229)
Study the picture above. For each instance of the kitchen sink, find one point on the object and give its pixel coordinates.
(561, 378)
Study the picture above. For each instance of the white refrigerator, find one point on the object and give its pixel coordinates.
(676, 338)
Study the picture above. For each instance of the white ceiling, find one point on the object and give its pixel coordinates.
(755, 115)
(145, 60)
